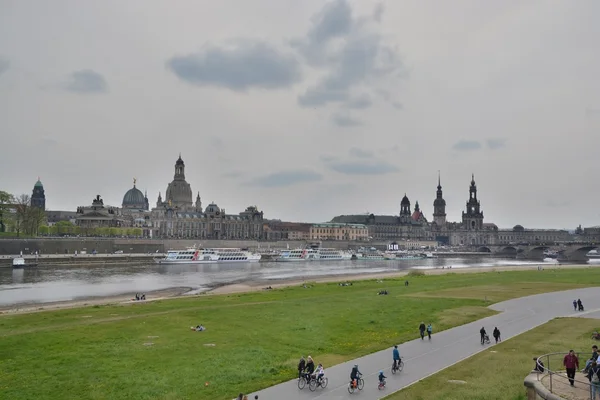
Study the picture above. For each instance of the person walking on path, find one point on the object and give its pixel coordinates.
(429, 330)
(301, 366)
(482, 333)
(496, 334)
(422, 330)
(574, 305)
(579, 304)
(594, 378)
(571, 363)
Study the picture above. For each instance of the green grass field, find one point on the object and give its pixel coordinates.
(499, 372)
(253, 340)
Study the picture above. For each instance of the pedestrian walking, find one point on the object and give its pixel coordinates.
(594, 378)
(496, 334)
(571, 363)
(422, 330)
(574, 305)
(429, 330)
(482, 333)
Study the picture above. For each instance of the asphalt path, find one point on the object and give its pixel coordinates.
(424, 358)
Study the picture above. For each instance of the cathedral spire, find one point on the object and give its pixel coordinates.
(439, 181)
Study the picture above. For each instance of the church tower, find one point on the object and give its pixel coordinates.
(405, 213)
(473, 218)
(439, 206)
(198, 203)
(38, 197)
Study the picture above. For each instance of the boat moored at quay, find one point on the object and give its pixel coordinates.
(208, 256)
(311, 254)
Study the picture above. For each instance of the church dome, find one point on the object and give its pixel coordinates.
(179, 193)
(134, 198)
(439, 202)
(405, 200)
(212, 209)
(518, 228)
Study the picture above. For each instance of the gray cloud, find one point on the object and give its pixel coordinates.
(286, 178)
(359, 59)
(363, 168)
(232, 175)
(86, 81)
(360, 153)
(345, 121)
(246, 64)
(467, 145)
(558, 204)
(4, 65)
(496, 144)
(360, 102)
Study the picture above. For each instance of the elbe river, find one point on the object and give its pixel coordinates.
(64, 283)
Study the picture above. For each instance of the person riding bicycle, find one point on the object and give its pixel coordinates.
(396, 355)
(355, 374)
(382, 377)
(319, 373)
(309, 369)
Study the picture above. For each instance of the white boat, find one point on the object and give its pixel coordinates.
(310, 254)
(430, 255)
(19, 262)
(208, 256)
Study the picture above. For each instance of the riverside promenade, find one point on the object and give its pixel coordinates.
(424, 358)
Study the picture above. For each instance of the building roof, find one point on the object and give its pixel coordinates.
(134, 198)
(340, 225)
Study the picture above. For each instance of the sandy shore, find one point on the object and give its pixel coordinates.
(252, 286)
(94, 301)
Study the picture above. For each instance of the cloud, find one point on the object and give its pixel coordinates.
(496, 144)
(349, 51)
(558, 204)
(232, 175)
(360, 102)
(360, 153)
(286, 178)
(243, 65)
(327, 158)
(345, 121)
(86, 81)
(363, 168)
(467, 145)
(4, 65)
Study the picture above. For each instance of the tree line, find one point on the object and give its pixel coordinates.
(17, 215)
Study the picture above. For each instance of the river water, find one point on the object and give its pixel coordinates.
(64, 283)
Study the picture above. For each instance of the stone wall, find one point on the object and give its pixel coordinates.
(70, 245)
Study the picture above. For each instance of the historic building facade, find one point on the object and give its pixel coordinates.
(178, 216)
(99, 216)
(337, 231)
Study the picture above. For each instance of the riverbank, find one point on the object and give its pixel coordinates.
(260, 285)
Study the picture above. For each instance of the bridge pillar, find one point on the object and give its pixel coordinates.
(532, 253)
(575, 254)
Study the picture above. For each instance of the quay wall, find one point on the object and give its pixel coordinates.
(140, 246)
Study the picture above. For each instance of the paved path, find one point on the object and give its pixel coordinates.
(424, 358)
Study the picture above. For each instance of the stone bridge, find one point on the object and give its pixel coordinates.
(575, 252)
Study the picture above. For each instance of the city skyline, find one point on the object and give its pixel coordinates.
(298, 107)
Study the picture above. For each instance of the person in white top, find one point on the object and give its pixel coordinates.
(319, 372)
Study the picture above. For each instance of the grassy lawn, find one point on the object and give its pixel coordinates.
(253, 340)
(499, 372)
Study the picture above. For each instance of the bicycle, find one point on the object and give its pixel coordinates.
(315, 383)
(381, 385)
(397, 366)
(302, 382)
(356, 384)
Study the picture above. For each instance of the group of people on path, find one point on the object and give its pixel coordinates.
(423, 329)
(486, 339)
(306, 369)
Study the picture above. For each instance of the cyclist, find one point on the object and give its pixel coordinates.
(319, 373)
(396, 355)
(355, 374)
(310, 368)
(382, 378)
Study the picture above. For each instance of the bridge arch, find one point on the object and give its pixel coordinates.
(484, 249)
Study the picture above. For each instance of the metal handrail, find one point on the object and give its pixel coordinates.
(557, 373)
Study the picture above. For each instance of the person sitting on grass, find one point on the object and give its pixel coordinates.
(539, 365)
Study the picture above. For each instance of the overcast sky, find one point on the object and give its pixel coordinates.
(307, 109)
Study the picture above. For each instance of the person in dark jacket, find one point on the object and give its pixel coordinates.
(483, 333)
(579, 304)
(496, 334)
(539, 365)
(310, 368)
(355, 374)
(593, 376)
(301, 366)
(422, 330)
(571, 363)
